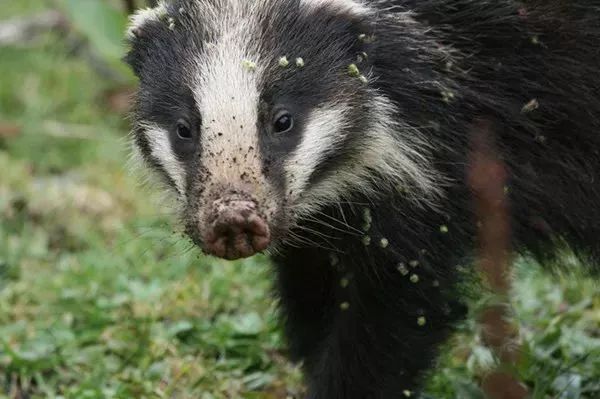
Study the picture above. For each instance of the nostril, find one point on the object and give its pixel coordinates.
(257, 226)
(260, 243)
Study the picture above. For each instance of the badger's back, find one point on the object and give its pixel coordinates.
(523, 74)
(530, 70)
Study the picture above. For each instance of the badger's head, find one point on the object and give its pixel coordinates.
(257, 114)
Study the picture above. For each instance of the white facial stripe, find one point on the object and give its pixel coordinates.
(324, 129)
(400, 159)
(161, 152)
(140, 17)
(227, 95)
(353, 7)
(136, 159)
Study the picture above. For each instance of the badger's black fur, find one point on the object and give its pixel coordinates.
(370, 292)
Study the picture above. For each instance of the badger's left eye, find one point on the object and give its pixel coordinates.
(284, 122)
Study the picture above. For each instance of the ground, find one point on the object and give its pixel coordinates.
(100, 298)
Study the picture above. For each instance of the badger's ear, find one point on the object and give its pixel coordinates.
(143, 26)
(351, 8)
(358, 15)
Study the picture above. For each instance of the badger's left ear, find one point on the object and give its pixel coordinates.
(357, 15)
(143, 26)
(351, 8)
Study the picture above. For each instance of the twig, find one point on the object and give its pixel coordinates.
(24, 30)
(487, 180)
(70, 131)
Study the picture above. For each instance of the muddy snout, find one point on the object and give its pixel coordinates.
(235, 229)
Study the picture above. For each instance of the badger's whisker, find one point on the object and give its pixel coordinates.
(344, 223)
(311, 243)
(349, 230)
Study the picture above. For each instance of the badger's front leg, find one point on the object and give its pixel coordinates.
(367, 321)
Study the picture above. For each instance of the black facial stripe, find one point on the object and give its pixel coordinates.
(165, 114)
(329, 43)
(141, 141)
(277, 147)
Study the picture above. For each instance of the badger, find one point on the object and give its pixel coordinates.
(335, 135)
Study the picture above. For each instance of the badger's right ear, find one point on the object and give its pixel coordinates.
(143, 26)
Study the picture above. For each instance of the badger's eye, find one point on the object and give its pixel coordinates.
(284, 122)
(183, 130)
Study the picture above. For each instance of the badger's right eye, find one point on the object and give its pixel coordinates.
(184, 131)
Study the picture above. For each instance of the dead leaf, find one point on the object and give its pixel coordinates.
(9, 130)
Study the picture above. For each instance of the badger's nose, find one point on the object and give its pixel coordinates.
(236, 230)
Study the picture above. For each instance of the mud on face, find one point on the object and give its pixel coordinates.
(230, 224)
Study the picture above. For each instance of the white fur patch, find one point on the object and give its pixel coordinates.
(398, 153)
(353, 7)
(140, 17)
(161, 152)
(325, 128)
(136, 159)
(227, 93)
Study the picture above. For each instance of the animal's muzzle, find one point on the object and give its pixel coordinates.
(235, 228)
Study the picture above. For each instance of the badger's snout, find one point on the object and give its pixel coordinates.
(235, 228)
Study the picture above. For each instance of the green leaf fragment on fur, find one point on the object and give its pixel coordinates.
(353, 70)
(367, 215)
(530, 106)
(249, 65)
(402, 269)
(283, 62)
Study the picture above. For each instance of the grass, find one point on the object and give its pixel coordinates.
(100, 299)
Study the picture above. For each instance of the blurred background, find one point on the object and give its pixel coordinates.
(99, 298)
